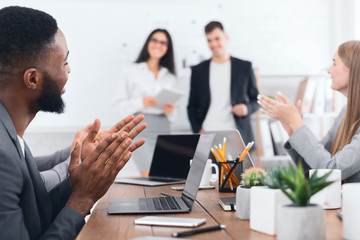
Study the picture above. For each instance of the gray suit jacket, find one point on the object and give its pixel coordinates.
(27, 210)
(304, 147)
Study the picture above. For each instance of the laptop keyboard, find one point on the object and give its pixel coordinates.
(158, 203)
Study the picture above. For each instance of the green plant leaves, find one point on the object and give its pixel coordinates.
(294, 185)
(318, 183)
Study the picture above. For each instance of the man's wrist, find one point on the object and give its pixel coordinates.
(80, 204)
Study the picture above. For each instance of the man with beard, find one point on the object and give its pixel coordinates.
(50, 100)
(33, 73)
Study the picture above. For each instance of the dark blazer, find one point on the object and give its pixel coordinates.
(243, 90)
(27, 210)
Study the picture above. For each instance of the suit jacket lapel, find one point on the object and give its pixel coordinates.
(233, 81)
(9, 126)
(206, 80)
(42, 196)
(206, 76)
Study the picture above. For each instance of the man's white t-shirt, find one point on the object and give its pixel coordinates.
(219, 115)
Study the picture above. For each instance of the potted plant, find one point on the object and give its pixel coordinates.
(300, 220)
(264, 202)
(251, 177)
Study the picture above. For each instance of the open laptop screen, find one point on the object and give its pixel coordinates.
(197, 168)
(172, 155)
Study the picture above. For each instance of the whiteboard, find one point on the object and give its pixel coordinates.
(280, 37)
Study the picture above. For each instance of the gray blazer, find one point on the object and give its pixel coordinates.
(27, 210)
(303, 146)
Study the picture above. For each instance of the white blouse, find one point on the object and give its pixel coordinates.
(137, 82)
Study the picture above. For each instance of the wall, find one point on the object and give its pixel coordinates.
(285, 39)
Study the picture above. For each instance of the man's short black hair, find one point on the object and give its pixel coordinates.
(212, 25)
(25, 38)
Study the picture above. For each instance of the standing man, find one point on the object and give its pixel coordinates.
(33, 72)
(223, 92)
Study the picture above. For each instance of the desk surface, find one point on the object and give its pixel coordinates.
(104, 226)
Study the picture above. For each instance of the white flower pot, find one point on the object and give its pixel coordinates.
(299, 223)
(329, 197)
(243, 202)
(351, 210)
(264, 203)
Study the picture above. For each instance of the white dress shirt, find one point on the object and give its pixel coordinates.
(137, 82)
(22, 145)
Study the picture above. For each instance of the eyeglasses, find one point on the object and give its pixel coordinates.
(162, 43)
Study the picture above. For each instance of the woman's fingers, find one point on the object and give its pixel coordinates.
(267, 103)
(271, 107)
(299, 108)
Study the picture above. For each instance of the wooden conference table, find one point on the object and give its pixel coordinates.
(103, 226)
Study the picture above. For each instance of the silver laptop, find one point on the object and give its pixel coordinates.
(170, 204)
(234, 146)
(170, 162)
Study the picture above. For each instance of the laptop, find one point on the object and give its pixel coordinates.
(170, 204)
(234, 146)
(171, 161)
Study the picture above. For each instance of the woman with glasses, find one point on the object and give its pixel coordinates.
(153, 70)
(340, 147)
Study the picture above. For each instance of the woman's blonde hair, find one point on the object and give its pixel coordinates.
(349, 52)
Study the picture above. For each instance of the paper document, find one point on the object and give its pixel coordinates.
(168, 95)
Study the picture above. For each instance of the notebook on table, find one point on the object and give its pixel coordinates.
(170, 204)
(171, 161)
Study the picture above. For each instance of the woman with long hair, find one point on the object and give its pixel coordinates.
(340, 147)
(153, 70)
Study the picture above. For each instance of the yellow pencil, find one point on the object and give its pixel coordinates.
(220, 154)
(246, 150)
(225, 165)
(224, 146)
(219, 160)
(215, 155)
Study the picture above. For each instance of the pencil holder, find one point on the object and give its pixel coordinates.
(229, 175)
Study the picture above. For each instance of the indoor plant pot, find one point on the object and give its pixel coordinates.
(263, 214)
(243, 202)
(300, 220)
(298, 223)
(251, 177)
